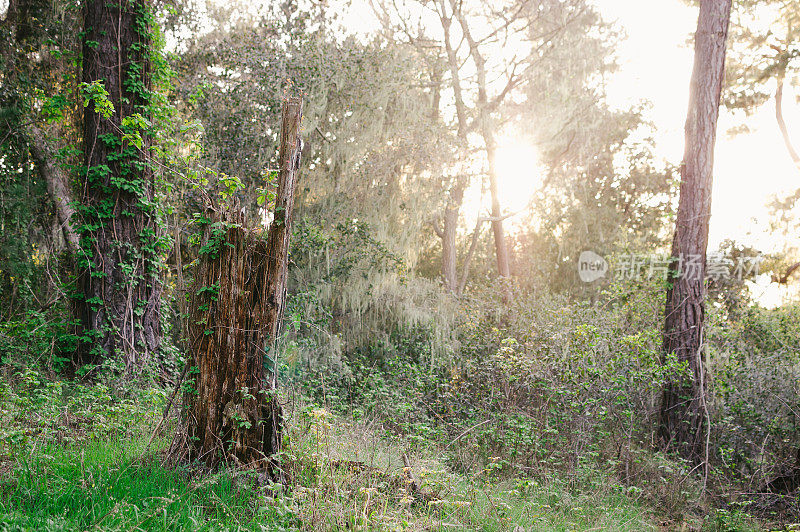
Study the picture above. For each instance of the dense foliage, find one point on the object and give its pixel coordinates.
(526, 402)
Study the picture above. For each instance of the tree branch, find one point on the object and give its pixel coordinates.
(53, 177)
(436, 227)
(474, 244)
(784, 279)
(781, 123)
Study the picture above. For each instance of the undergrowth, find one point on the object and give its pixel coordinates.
(345, 475)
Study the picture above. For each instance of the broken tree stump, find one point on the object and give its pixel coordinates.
(231, 411)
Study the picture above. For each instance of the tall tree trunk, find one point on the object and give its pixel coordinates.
(486, 129)
(120, 283)
(683, 421)
(233, 416)
(455, 196)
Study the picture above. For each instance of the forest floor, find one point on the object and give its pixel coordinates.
(102, 469)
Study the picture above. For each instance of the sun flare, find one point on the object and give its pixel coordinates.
(519, 172)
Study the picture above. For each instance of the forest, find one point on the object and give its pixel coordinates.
(399, 265)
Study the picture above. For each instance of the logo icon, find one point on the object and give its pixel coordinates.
(591, 266)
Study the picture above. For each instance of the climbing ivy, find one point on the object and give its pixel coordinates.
(127, 185)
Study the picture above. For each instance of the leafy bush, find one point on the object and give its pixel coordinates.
(35, 340)
(755, 366)
(36, 411)
(558, 385)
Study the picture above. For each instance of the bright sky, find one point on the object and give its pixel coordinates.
(655, 65)
(748, 168)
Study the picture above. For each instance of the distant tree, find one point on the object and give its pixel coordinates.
(684, 413)
(119, 279)
(606, 193)
(474, 111)
(783, 264)
(541, 86)
(763, 66)
(764, 56)
(602, 188)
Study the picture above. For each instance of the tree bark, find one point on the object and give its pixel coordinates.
(120, 280)
(56, 183)
(233, 416)
(683, 420)
(448, 236)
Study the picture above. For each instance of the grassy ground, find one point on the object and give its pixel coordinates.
(73, 457)
(345, 477)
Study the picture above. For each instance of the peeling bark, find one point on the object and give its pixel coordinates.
(233, 415)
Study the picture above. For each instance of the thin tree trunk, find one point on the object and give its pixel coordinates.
(452, 63)
(473, 244)
(120, 280)
(449, 257)
(500, 247)
(233, 415)
(456, 194)
(683, 421)
(781, 123)
(56, 183)
(448, 236)
(487, 132)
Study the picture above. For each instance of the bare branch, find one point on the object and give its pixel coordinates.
(784, 279)
(781, 123)
(436, 227)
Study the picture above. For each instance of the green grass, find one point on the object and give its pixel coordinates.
(116, 485)
(109, 486)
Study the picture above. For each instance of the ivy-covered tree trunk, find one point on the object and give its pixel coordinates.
(232, 414)
(120, 288)
(683, 424)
